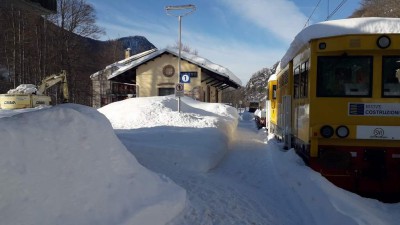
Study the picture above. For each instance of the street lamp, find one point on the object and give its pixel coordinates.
(184, 10)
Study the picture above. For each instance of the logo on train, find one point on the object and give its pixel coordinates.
(378, 133)
(356, 109)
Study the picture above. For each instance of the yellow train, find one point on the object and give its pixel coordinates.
(338, 102)
(271, 106)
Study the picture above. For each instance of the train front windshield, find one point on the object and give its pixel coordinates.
(344, 76)
(391, 76)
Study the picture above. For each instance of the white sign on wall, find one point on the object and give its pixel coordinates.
(378, 132)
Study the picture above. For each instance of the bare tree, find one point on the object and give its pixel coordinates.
(32, 47)
(185, 48)
(234, 96)
(75, 18)
(16, 44)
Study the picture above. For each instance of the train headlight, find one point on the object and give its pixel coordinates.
(326, 131)
(383, 41)
(322, 45)
(342, 131)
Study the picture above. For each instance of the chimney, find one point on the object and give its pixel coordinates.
(127, 53)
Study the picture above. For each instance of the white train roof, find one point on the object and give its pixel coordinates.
(367, 25)
(272, 77)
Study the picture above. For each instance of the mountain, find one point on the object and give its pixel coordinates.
(137, 44)
(256, 88)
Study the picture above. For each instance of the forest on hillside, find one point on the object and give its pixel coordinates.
(378, 8)
(34, 47)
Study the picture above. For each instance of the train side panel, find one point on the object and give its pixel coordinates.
(283, 94)
(301, 100)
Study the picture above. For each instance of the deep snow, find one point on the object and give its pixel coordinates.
(206, 165)
(64, 165)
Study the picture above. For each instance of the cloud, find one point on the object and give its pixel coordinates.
(281, 17)
(241, 58)
(242, 61)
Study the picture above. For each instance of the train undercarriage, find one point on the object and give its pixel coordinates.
(372, 172)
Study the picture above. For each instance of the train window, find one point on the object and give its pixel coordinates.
(391, 76)
(344, 76)
(286, 77)
(304, 80)
(273, 91)
(296, 82)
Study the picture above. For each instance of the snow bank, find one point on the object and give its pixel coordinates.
(328, 204)
(260, 113)
(155, 120)
(23, 89)
(64, 165)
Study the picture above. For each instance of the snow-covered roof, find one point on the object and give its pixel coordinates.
(332, 28)
(195, 59)
(134, 57)
(124, 62)
(272, 77)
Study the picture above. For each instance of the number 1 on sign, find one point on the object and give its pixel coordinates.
(185, 78)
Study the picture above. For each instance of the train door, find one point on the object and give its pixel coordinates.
(287, 120)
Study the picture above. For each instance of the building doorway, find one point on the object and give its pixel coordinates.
(166, 91)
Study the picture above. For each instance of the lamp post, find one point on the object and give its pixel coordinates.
(185, 10)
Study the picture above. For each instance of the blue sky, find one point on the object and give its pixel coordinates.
(241, 35)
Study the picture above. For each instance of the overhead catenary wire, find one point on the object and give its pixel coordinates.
(308, 20)
(336, 9)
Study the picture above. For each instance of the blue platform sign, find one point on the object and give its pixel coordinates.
(184, 78)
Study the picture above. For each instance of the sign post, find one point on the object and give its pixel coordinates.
(179, 92)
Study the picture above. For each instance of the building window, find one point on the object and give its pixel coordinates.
(123, 89)
(166, 91)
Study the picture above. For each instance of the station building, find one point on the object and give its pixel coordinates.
(155, 73)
